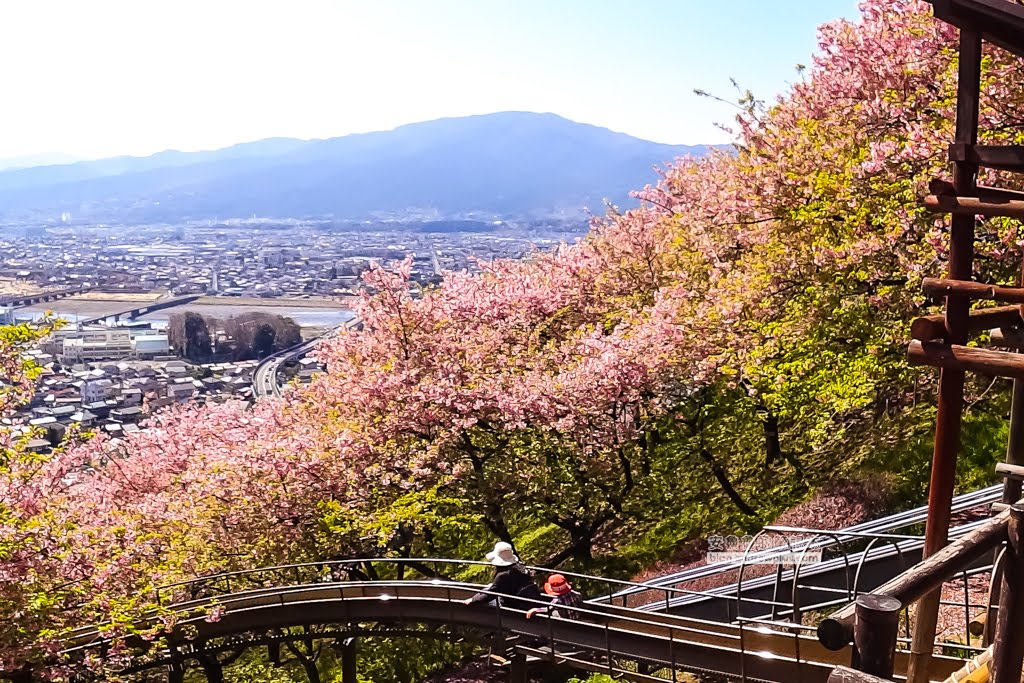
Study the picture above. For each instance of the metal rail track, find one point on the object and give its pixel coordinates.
(833, 540)
(789, 592)
(623, 642)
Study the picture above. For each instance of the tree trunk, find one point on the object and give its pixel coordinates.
(312, 673)
(581, 544)
(493, 517)
(772, 447)
(496, 523)
(583, 551)
(723, 481)
(308, 658)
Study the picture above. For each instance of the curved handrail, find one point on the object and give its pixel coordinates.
(905, 543)
(326, 565)
(607, 631)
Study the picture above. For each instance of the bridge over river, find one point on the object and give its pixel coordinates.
(19, 300)
(141, 309)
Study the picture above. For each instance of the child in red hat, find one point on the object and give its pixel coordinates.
(564, 600)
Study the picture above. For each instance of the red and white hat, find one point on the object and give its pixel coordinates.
(557, 585)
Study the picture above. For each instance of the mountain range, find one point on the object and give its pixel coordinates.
(508, 164)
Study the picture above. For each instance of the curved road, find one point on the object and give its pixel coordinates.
(264, 377)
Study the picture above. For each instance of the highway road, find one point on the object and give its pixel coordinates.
(264, 378)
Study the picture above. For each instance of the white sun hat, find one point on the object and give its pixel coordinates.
(502, 555)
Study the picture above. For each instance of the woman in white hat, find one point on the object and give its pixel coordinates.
(512, 584)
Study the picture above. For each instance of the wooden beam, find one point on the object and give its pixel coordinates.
(942, 287)
(998, 193)
(1005, 469)
(837, 630)
(1008, 338)
(966, 359)
(970, 206)
(931, 327)
(1000, 157)
(844, 674)
(1000, 22)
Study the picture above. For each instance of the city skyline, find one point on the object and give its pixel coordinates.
(117, 78)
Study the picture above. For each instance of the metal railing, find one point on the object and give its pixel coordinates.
(876, 527)
(802, 592)
(616, 639)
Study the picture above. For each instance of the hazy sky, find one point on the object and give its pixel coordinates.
(96, 78)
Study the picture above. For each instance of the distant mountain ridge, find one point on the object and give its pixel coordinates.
(505, 164)
(30, 160)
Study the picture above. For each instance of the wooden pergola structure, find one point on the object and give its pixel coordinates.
(941, 341)
(1000, 22)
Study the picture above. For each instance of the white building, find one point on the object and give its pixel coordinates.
(97, 390)
(150, 345)
(94, 345)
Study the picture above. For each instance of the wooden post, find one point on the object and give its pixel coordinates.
(348, 661)
(1015, 441)
(517, 668)
(1008, 653)
(875, 628)
(951, 382)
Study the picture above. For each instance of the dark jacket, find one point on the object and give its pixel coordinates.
(515, 587)
(562, 605)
